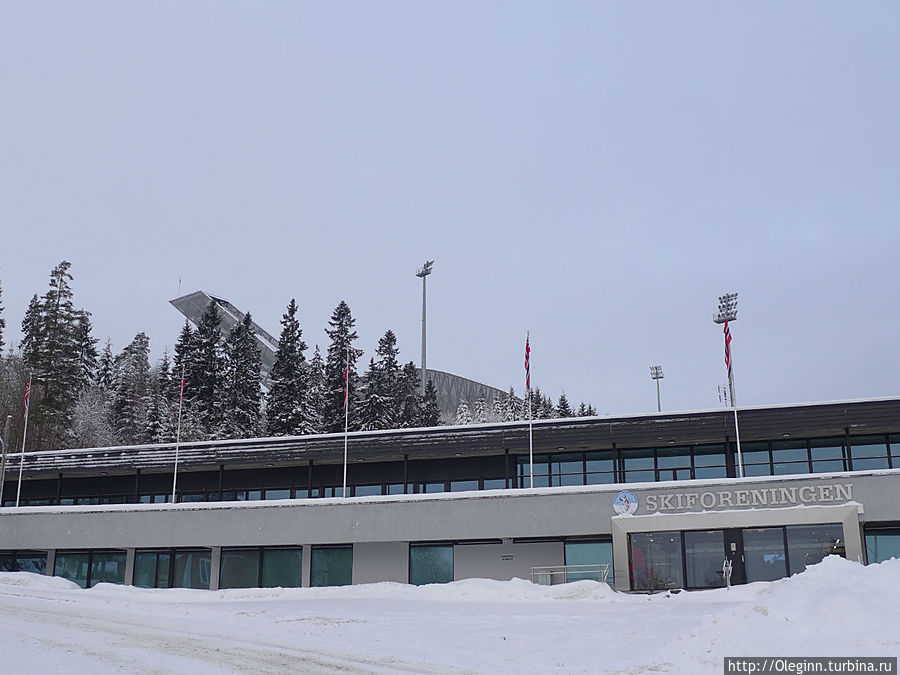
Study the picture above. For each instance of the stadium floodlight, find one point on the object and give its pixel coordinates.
(422, 273)
(656, 373)
(727, 310)
(725, 313)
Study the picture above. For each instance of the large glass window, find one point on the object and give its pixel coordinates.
(600, 467)
(74, 566)
(790, 457)
(107, 567)
(430, 564)
(239, 568)
(567, 469)
(89, 568)
(463, 485)
(869, 452)
(282, 567)
(23, 561)
(827, 454)
(764, 557)
(190, 568)
(704, 556)
(151, 569)
(673, 463)
(709, 461)
(589, 553)
(639, 465)
(809, 544)
(366, 490)
(331, 566)
(541, 471)
(882, 544)
(756, 459)
(655, 559)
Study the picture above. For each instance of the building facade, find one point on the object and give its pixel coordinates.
(652, 499)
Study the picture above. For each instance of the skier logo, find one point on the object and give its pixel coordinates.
(625, 503)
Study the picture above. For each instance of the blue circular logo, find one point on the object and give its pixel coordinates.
(625, 503)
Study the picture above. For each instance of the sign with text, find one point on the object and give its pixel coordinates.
(748, 498)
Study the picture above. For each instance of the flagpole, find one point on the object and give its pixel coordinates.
(528, 396)
(737, 433)
(24, 436)
(346, 415)
(178, 433)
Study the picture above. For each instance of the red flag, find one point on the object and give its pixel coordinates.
(527, 364)
(27, 394)
(728, 347)
(181, 389)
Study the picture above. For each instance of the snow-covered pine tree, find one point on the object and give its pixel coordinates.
(511, 408)
(87, 348)
(314, 402)
(411, 402)
(159, 414)
(51, 342)
(563, 409)
(582, 410)
(105, 368)
(91, 419)
(591, 411)
(340, 350)
(373, 405)
(431, 412)
(241, 385)
(479, 411)
(497, 410)
(285, 404)
(132, 392)
(205, 371)
(463, 415)
(388, 382)
(547, 410)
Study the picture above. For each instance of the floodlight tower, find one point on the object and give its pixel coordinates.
(727, 311)
(656, 373)
(424, 272)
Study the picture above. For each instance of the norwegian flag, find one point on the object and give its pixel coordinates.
(181, 389)
(728, 347)
(27, 394)
(528, 364)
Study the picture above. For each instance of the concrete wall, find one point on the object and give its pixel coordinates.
(382, 561)
(504, 561)
(381, 527)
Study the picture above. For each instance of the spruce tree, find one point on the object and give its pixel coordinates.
(479, 412)
(562, 407)
(159, 413)
(497, 409)
(285, 404)
(52, 345)
(511, 409)
(105, 368)
(132, 392)
(314, 401)
(374, 403)
(463, 415)
(431, 412)
(87, 348)
(341, 355)
(205, 371)
(582, 410)
(241, 385)
(411, 402)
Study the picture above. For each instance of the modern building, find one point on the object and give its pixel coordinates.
(451, 389)
(653, 499)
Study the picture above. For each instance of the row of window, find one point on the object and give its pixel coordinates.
(766, 458)
(695, 558)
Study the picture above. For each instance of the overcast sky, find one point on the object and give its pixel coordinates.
(596, 173)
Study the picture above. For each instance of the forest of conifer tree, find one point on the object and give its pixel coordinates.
(82, 397)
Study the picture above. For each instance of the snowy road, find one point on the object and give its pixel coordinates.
(837, 608)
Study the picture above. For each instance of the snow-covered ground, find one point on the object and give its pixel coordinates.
(836, 608)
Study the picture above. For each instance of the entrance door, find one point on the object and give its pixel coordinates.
(734, 551)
